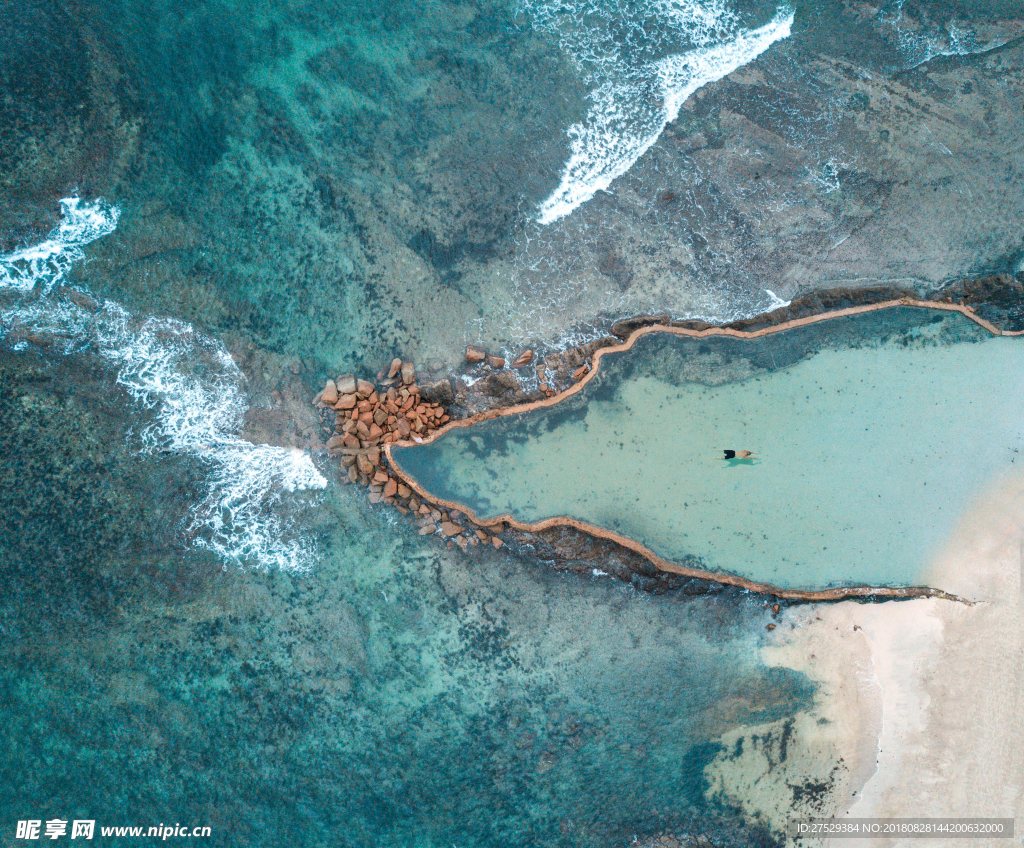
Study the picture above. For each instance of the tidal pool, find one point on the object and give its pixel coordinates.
(873, 434)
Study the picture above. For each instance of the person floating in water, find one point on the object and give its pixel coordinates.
(735, 454)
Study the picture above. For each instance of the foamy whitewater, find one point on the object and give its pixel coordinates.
(190, 382)
(637, 93)
(918, 44)
(47, 263)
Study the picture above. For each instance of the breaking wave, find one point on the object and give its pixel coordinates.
(46, 264)
(642, 63)
(187, 379)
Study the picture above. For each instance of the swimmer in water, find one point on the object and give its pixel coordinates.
(735, 454)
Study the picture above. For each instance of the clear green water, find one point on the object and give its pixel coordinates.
(872, 436)
(396, 695)
(322, 186)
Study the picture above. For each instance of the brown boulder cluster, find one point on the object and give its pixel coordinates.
(456, 527)
(478, 356)
(367, 418)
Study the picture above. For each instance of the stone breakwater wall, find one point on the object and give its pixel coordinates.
(996, 302)
(369, 418)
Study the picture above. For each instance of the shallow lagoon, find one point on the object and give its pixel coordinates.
(873, 434)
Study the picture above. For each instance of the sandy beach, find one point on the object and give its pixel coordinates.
(920, 699)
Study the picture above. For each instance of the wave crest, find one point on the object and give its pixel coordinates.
(640, 81)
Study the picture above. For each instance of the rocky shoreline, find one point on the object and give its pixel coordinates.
(364, 418)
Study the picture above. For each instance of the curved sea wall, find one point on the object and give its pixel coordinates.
(450, 519)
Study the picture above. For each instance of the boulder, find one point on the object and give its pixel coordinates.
(498, 383)
(450, 529)
(524, 358)
(396, 366)
(408, 373)
(80, 298)
(390, 488)
(364, 388)
(346, 384)
(346, 401)
(496, 542)
(427, 529)
(330, 393)
(496, 362)
(475, 354)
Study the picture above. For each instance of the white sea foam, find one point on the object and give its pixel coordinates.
(47, 263)
(635, 92)
(920, 43)
(776, 301)
(191, 384)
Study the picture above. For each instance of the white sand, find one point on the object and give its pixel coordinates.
(923, 699)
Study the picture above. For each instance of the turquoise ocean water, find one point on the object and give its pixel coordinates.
(204, 630)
